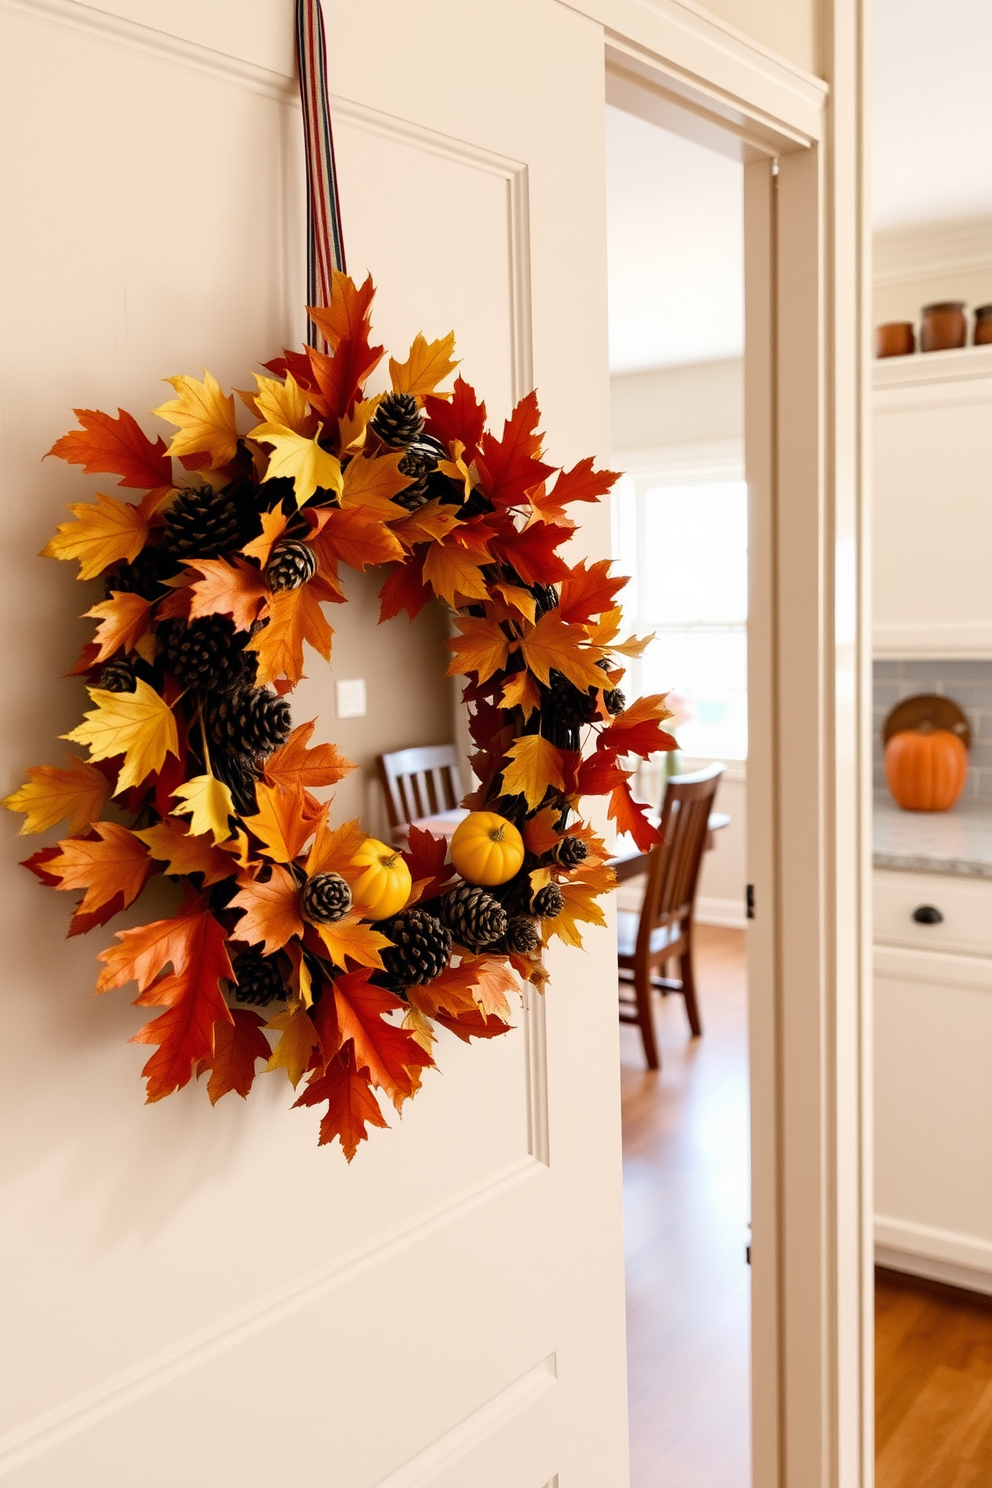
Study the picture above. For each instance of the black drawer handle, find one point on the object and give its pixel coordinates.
(928, 914)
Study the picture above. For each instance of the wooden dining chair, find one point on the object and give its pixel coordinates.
(662, 932)
(420, 782)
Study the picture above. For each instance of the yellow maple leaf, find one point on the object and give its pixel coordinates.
(104, 532)
(204, 417)
(273, 526)
(123, 622)
(554, 643)
(456, 469)
(518, 599)
(481, 648)
(301, 460)
(371, 483)
(353, 426)
(208, 804)
(284, 405)
(50, 794)
(427, 524)
(138, 725)
(348, 939)
(535, 765)
(452, 571)
(579, 894)
(421, 1027)
(428, 364)
(295, 1048)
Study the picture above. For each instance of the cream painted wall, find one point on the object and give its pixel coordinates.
(788, 27)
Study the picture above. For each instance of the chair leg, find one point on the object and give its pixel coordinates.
(689, 988)
(645, 1018)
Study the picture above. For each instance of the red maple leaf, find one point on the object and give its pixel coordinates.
(600, 774)
(404, 589)
(391, 1055)
(510, 467)
(351, 1104)
(631, 816)
(335, 380)
(460, 417)
(533, 554)
(582, 483)
(425, 855)
(473, 1024)
(637, 730)
(116, 446)
(237, 1047)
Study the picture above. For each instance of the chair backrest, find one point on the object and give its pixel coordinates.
(419, 782)
(673, 868)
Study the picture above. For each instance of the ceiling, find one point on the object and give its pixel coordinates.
(674, 208)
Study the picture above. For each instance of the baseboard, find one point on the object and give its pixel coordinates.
(726, 912)
(930, 1269)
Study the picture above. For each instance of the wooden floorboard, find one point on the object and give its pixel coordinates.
(686, 1213)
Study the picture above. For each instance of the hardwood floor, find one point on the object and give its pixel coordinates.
(686, 1214)
(933, 1385)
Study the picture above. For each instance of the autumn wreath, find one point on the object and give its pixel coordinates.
(358, 952)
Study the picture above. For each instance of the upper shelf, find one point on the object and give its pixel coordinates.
(921, 368)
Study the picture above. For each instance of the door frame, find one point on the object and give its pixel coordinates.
(809, 777)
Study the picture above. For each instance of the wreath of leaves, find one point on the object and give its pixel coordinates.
(212, 588)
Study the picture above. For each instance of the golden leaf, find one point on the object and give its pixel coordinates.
(427, 524)
(123, 622)
(521, 691)
(284, 404)
(421, 1028)
(518, 599)
(295, 1048)
(208, 804)
(301, 460)
(428, 364)
(139, 725)
(453, 572)
(50, 794)
(295, 616)
(272, 911)
(553, 643)
(536, 765)
(372, 482)
(349, 939)
(273, 527)
(334, 848)
(104, 532)
(481, 648)
(204, 417)
(353, 426)
(237, 589)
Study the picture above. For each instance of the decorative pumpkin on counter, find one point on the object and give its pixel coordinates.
(383, 884)
(925, 768)
(487, 849)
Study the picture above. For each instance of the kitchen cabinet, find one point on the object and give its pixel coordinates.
(932, 504)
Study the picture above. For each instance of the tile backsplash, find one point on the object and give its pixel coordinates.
(969, 683)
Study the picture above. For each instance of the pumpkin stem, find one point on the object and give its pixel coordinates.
(497, 834)
(926, 726)
(388, 860)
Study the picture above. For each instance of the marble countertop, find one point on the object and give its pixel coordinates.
(958, 841)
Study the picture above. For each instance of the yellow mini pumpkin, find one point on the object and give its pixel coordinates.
(486, 848)
(383, 884)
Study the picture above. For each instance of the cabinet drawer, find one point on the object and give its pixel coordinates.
(965, 905)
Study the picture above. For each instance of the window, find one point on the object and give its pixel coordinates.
(684, 542)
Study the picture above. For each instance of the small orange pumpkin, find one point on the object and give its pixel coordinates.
(486, 848)
(383, 884)
(925, 768)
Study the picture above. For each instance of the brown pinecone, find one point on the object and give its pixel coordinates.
(474, 917)
(398, 420)
(258, 979)
(419, 463)
(204, 524)
(548, 902)
(290, 565)
(420, 950)
(570, 852)
(144, 576)
(117, 675)
(523, 935)
(326, 898)
(205, 654)
(254, 721)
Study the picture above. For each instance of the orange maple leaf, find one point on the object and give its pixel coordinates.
(535, 765)
(295, 616)
(191, 994)
(579, 906)
(355, 537)
(351, 1105)
(637, 730)
(273, 526)
(237, 589)
(104, 531)
(116, 446)
(349, 939)
(334, 848)
(581, 483)
(123, 621)
(553, 643)
(299, 1043)
(113, 863)
(521, 691)
(78, 793)
(481, 648)
(349, 314)
(510, 467)
(454, 573)
(371, 481)
(237, 1047)
(170, 841)
(295, 764)
(589, 590)
(271, 911)
(388, 1053)
(539, 832)
(631, 817)
(284, 822)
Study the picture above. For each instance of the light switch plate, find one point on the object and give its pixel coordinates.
(352, 701)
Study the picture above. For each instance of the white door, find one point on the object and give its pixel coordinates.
(200, 1296)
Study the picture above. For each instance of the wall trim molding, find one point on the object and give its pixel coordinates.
(947, 1272)
(928, 1243)
(728, 913)
(944, 640)
(36, 1436)
(932, 250)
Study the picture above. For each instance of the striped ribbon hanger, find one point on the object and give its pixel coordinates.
(325, 245)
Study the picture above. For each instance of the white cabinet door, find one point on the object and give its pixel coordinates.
(202, 1296)
(932, 504)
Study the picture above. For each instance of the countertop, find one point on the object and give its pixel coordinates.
(958, 841)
